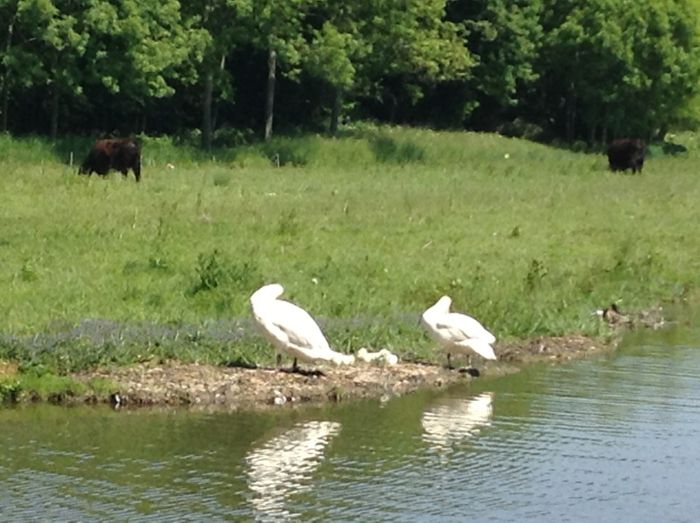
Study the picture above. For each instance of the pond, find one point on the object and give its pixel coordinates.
(611, 437)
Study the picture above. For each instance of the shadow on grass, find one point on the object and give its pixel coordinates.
(388, 150)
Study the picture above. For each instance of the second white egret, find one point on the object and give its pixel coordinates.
(458, 332)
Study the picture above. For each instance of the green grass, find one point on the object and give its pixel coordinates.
(364, 231)
(38, 384)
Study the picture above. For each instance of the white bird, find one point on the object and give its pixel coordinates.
(291, 329)
(383, 356)
(458, 332)
(389, 357)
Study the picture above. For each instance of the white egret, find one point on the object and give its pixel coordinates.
(291, 329)
(458, 332)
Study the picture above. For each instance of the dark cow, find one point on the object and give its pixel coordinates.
(120, 154)
(627, 153)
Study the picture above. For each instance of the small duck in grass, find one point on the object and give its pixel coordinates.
(613, 315)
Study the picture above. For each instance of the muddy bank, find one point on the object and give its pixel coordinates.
(178, 384)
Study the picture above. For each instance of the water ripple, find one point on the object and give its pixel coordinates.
(610, 438)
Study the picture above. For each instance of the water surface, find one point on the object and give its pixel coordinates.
(614, 437)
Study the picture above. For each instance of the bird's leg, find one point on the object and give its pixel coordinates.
(449, 361)
(295, 367)
(279, 360)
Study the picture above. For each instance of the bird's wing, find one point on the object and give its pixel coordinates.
(462, 327)
(298, 326)
(481, 347)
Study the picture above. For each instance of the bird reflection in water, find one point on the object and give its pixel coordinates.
(454, 419)
(284, 465)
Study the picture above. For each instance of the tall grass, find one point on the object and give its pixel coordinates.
(365, 231)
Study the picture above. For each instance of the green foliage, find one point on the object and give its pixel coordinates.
(47, 386)
(388, 150)
(585, 71)
(330, 56)
(39, 384)
(155, 47)
(606, 58)
(413, 42)
(9, 390)
(276, 25)
(505, 39)
(213, 272)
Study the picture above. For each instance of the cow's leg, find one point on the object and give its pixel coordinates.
(137, 171)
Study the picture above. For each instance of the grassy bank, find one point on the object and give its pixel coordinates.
(364, 231)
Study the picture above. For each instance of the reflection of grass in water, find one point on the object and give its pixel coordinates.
(530, 243)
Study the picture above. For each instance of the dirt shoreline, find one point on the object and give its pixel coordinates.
(172, 383)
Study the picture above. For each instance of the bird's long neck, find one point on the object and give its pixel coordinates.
(434, 311)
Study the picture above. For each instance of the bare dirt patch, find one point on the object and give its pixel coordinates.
(7, 369)
(174, 383)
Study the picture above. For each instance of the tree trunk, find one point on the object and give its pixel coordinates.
(270, 95)
(591, 135)
(661, 133)
(54, 112)
(214, 105)
(570, 114)
(393, 105)
(335, 113)
(4, 84)
(209, 107)
(206, 109)
(4, 107)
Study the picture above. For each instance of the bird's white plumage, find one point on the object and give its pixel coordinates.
(291, 329)
(458, 332)
(382, 357)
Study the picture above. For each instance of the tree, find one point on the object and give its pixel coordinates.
(138, 49)
(134, 49)
(412, 46)
(619, 68)
(223, 22)
(43, 47)
(275, 26)
(8, 10)
(504, 37)
(385, 50)
(667, 69)
(331, 57)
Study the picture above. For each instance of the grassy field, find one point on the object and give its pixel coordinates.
(364, 231)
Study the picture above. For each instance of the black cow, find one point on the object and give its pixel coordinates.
(627, 153)
(120, 154)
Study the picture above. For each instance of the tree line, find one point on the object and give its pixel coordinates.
(227, 70)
